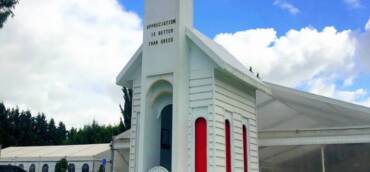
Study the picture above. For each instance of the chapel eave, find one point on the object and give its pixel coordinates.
(225, 60)
(130, 68)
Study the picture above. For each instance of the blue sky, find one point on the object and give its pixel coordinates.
(213, 17)
(319, 46)
(217, 16)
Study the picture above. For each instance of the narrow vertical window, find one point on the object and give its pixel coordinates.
(200, 145)
(245, 148)
(227, 144)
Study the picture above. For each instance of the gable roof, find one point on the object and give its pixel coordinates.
(122, 141)
(132, 65)
(123, 135)
(224, 59)
(216, 52)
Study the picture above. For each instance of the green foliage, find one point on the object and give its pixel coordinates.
(127, 110)
(20, 128)
(61, 165)
(92, 133)
(6, 10)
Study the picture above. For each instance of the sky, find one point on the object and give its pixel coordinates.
(61, 57)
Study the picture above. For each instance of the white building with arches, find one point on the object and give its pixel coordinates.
(81, 158)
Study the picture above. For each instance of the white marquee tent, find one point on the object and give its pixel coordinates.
(299, 131)
(39, 157)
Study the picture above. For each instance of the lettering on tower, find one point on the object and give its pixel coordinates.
(161, 32)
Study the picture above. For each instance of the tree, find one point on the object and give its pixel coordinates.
(20, 128)
(61, 165)
(25, 128)
(52, 133)
(127, 110)
(41, 129)
(92, 133)
(6, 10)
(61, 133)
(121, 126)
(3, 125)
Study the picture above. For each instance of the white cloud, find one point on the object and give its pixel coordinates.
(62, 57)
(287, 6)
(353, 3)
(348, 81)
(363, 44)
(366, 102)
(297, 56)
(307, 58)
(329, 89)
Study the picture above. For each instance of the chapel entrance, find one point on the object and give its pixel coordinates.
(166, 137)
(157, 140)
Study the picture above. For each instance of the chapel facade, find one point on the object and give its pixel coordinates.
(194, 104)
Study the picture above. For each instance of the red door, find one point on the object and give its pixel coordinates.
(201, 145)
(228, 149)
(245, 148)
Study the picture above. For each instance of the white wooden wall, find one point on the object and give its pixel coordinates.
(239, 107)
(201, 101)
(134, 124)
(216, 99)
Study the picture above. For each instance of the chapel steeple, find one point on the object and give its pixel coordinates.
(165, 22)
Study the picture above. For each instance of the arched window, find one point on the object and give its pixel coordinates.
(200, 145)
(245, 148)
(45, 168)
(32, 168)
(21, 166)
(227, 144)
(71, 167)
(85, 168)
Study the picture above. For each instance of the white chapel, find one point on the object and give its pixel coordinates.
(194, 104)
(196, 108)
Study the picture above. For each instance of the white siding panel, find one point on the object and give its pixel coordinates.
(242, 105)
(201, 93)
(134, 121)
(208, 90)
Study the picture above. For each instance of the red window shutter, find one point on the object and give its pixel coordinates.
(228, 149)
(245, 148)
(200, 145)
